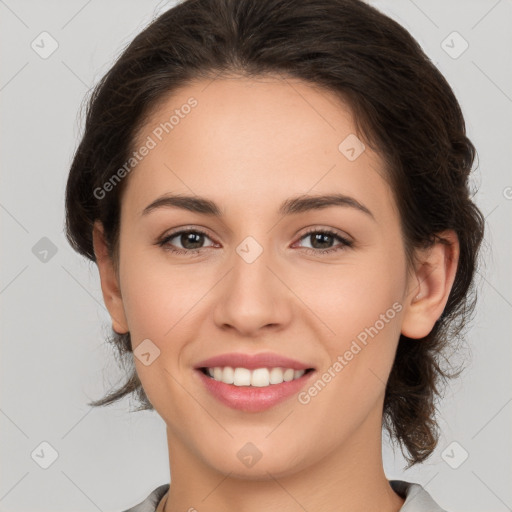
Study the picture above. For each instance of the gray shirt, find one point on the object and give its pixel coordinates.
(417, 499)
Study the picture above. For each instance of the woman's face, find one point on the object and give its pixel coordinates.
(259, 279)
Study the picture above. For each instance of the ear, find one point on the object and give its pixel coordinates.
(430, 286)
(109, 281)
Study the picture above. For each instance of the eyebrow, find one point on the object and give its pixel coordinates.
(293, 205)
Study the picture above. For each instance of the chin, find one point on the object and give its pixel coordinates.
(262, 466)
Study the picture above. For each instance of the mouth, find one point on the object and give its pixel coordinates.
(253, 382)
(253, 390)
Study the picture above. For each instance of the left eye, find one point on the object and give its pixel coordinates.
(322, 237)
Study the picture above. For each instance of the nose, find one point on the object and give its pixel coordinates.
(252, 297)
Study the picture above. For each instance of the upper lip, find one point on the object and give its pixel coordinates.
(252, 361)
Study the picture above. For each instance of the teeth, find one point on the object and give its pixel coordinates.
(260, 377)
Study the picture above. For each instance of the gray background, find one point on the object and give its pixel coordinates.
(53, 322)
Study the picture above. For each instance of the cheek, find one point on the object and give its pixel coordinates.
(348, 297)
(362, 307)
(155, 295)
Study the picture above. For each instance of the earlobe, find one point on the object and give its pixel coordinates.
(109, 281)
(430, 287)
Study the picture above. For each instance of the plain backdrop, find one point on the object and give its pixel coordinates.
(53, 322)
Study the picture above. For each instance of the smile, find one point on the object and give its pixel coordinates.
(243, 395)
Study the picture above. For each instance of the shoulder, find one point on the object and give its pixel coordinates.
(417, 499)
(151, 502)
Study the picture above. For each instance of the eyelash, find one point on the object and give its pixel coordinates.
(344, 242)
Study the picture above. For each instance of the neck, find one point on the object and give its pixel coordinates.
(349, 478)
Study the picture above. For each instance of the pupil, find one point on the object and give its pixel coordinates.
(318, 238)
(191, 238)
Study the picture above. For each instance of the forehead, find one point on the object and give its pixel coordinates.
(251, 142)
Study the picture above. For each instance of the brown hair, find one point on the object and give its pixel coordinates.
(404, 108)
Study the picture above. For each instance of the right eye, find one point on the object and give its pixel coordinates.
(191, 241)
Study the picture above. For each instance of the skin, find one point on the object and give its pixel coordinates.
(249, 145)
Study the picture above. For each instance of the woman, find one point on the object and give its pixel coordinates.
(276, 196)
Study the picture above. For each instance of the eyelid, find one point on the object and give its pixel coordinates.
(325, 229)
(186, 228)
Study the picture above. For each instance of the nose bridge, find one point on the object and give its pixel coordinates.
(251, 297)
(251, 278)
(250, 266)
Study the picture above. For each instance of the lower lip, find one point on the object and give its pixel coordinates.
(251, 398)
